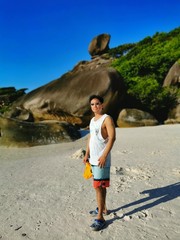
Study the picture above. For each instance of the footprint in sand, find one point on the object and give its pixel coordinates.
(123, 177)
(134, 173)
(143, 214)
(139, 215)
(176, 171)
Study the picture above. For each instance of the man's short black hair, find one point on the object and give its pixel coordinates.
(97, 97)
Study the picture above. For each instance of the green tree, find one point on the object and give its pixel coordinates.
(145, 67)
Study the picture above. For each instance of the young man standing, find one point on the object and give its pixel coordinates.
(100, 142)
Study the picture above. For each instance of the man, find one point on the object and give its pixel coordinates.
(100, 143)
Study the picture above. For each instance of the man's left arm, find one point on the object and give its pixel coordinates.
(110, 128)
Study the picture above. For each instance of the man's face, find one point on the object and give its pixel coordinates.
(96, 106)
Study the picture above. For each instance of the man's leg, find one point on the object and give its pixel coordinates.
(100, 188)
(101, 202)
(104, 196)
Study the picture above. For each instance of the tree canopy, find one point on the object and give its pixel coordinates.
(144, 66)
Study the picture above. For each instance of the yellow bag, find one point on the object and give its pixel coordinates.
(87, 171)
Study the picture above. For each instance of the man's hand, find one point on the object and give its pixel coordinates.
(102, 162)
(85, 160)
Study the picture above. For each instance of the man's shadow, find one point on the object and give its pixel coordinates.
(159, 195)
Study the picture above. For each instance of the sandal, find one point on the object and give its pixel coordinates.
(94, 213)
(98, 225)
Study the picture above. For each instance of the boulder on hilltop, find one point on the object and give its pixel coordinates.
(99, 44)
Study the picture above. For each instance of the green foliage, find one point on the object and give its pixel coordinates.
(151, 94)
(120, 50)
(8, 96)
(145, 66)
(4, 109)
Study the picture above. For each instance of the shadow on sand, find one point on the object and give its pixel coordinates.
(155, 197)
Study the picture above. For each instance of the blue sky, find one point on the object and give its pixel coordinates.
(42, 39)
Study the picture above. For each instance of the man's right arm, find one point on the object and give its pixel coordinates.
(86, 157)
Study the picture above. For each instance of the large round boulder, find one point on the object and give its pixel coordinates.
(135, 118)
(66, 98)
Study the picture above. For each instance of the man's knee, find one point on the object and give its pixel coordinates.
(100, 189)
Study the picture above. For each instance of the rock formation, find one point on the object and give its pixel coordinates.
(66, 98)
(51, 113)
(135, 118)
(173, 76)
(99, 45)
(19, 133)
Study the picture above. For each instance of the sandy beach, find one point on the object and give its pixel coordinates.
(43, 195)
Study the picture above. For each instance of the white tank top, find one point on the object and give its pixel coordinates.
(97, 143)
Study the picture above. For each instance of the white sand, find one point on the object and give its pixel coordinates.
(43, 195)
